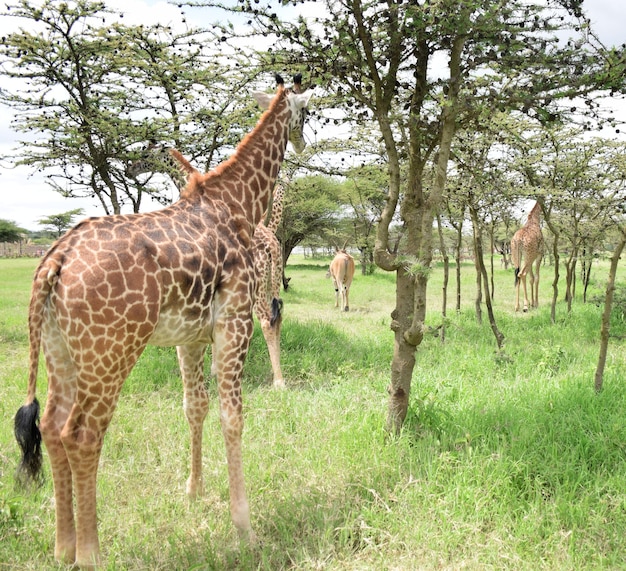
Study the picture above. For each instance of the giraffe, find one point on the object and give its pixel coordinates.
(268, 264)
(342, 272)
(265, 247)
(157, 158)
(180, 276)
(526, 248)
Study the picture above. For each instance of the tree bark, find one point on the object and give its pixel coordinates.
(446, 278)
(482, 272)
(606, 315)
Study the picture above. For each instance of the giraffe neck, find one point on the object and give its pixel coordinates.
(248, 176)
(277, 208)
(534, 215)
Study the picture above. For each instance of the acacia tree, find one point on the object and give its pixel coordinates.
(86, 89)
(59, 223)
(379, 59)
(364, 193)
(310, 207)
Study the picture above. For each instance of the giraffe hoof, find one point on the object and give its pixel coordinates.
(279, 383)
(248, 537)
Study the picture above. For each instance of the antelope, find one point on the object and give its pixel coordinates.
(342, 271)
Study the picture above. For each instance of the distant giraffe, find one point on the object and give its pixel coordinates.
(342, 271)
(157, 158)
(527, 248)
(267, 259)
(180, 276)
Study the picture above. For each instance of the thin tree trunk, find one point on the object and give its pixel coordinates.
(606, 314)
(446, 277)
(482, 271)
(479, 289)
(491, 249)
(459, 245)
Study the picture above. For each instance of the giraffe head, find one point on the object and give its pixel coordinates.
(152, 154)
(297, 102)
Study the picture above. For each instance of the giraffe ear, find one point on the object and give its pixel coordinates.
(263, 99)
(303, 98)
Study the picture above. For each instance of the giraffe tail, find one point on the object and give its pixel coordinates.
(26, 428)
(277, 308)
(516, 276)
(26, 423)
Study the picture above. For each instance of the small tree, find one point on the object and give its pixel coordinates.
(310, 207)
(58, 224)
(10, 231)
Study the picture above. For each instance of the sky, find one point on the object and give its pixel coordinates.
(24, 195)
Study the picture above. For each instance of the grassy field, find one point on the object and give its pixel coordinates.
(508, 460)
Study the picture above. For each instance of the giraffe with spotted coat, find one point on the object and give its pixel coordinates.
(181, 276)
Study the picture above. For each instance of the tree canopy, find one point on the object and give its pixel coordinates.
(408, 83)
(421, 71)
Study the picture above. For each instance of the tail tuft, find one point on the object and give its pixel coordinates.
(516, 275)
(277, 308)
(28, 437)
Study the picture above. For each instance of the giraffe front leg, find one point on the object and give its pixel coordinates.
(230, 348)
(271, 334)
(196, 406)
(272, 339)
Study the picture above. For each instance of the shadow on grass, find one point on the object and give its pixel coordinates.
(313, 353)
(559, 450)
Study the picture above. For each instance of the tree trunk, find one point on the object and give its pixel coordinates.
(491, 250)
(459, 245)
(555, 281)
(570, 270)
(403, 360)
(482, 271)
(478, 302)
(446, 278)
(606, 314)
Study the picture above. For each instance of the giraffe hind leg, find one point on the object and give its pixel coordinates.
(61, 394)
(196, 406)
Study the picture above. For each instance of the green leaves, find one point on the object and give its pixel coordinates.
(89, 90)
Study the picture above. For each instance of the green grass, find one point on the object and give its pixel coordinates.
(508, 460)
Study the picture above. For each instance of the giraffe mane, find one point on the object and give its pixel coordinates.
(183, 164)
(242, 148)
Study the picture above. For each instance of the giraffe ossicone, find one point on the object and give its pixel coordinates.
(527, 248)
(180, 276)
